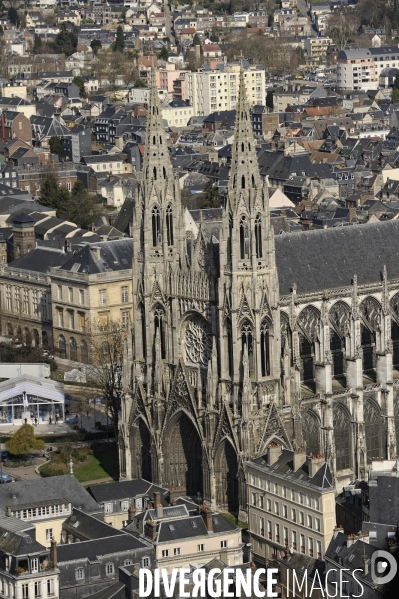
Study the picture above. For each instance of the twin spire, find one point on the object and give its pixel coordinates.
(244, 172)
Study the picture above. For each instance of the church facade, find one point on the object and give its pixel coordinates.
(251, 339)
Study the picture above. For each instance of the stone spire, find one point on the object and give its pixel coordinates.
(156, 165)
(244, 174)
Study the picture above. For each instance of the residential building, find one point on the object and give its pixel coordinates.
(26, 295)
(17, 104)
(291, 503)
(361, 69)
(166, 76)
(46, 504)
(27, 567)
(91, 289)
(123, 500)
(316, 49)
(109, 163)
(100, 13)
(214, 89)
(177, 113)
(15, 124)
(183, 538)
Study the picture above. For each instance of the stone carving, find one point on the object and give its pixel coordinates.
(197, 341)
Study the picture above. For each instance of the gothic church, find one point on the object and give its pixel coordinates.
(249, 339)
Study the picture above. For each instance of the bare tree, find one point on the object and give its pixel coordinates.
(106, 345)
(342, 28)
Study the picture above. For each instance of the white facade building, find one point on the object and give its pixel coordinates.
(211, 90)
(361, 69)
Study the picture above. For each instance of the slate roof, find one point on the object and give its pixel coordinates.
(114, 255)
(193, 526)
(39, 260)
(124, 490)
(284, 465)
(18, 543)
(45, 489)
(327, 259)
(88, 527)
(91, 550)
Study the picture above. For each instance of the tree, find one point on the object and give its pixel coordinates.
(55, 145)
(212, 198)
(119, 44)
(80, 83)
(13, 16)
(49, 191)
(24, 440)
(95, 45)
(1, 30)
(37, 43)
(341, 29)
(164, 53)
(107, 342)
(80, 208)
(66, 41)
(139, 83)
(196, 40)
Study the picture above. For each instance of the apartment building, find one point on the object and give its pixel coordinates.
(291, 503)
(361, 69)
(123, 500)
(183, 538)
(217, 89)
(90, 290)
(316, 49)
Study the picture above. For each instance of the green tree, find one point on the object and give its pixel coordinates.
(95, 45)
(13, 16)
(139, 83)
(55, 145)
(80, 208)
(395, 96)
(79, 82)
(62, 200)
(66, 41)
(269, 100)
(37, 43)
(119, 43)
(48, 194)
(212, 198)
(196, 40)
(24, 440)
(164, 53)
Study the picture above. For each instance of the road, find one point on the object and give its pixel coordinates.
(303, 7)
(168, 22)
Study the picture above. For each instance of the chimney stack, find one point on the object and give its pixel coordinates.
(314, 464)
(207, 518)
(337, 530)
(157, 504)
(273, 453)
(53, 552)
(298, 459)
(131, 513)
(151, 529)
(9, 512)
(365, 566)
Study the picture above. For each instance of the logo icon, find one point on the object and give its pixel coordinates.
(383, 567)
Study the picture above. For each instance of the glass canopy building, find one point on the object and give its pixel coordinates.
(32, 400)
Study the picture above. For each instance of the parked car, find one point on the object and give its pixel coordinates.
(97, 400)
(72, 420)
(5, 478)
(5, 454)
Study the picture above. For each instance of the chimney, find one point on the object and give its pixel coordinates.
(53, 552)
(151, 530)
(157, 504)
(131, 513)
(314, 463)
(298, 459)
(350, 539)
(207, 518)
(337, 530)
(273, 453)
(9, 512)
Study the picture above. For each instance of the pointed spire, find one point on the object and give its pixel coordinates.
(156, 164)
(244, 173)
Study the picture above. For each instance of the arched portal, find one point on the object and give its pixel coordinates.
(183, 456)
(141, 451)
(226, 468)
